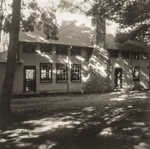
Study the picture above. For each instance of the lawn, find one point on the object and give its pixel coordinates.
(115, 120)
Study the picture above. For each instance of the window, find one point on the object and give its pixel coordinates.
(136, 73)
(76, 73)
(61, 73)
(46, 72)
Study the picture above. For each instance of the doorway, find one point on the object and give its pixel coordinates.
(118, 78)
(29, 78)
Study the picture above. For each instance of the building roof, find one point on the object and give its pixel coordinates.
(68, 34)
(134, 45)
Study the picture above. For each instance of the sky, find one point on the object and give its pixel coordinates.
(65, 15)
(112, 28)
(80, 18)
(45, 3)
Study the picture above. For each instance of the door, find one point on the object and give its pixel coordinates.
(29, 78)
(118, 78)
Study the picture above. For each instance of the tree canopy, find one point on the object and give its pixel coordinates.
(32, 15)
(133, 15)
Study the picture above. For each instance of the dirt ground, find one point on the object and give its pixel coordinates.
(117, 120)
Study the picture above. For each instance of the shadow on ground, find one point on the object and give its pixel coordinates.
(124, 124)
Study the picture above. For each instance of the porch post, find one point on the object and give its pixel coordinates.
(68, 69)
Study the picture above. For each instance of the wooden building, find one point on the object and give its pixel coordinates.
(51, 66)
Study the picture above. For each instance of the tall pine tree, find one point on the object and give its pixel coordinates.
(11, 64)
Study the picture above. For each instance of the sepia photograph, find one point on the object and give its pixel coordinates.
(74, 74)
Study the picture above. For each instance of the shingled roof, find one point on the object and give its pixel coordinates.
(68, 34)
(134, 45)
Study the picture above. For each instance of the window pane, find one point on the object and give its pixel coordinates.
(61, 72)
(76, 72)
(45, 72)
(29, 74)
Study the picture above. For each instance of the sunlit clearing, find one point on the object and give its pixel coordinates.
(116, 65)
(48, 145)
(89, 109)
(138, 124)
(49, 124)
(23, 145)
(43, 54)
(139, 96)
(120, 98)
(106, 132)
(3, 140)
(142, 145)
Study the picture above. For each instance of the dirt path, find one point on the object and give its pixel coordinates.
(110, 121)
(75, 101)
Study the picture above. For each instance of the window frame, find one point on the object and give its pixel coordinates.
(49, 67)
(79, 73)
(66, 73)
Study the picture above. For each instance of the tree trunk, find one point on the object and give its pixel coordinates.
(7, 87)
(1, 18)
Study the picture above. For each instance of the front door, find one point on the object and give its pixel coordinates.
(29, 78)
(118, 78)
